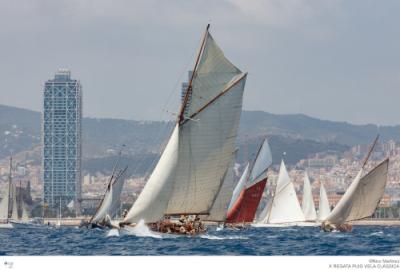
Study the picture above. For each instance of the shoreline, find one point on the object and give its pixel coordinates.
(376, 222)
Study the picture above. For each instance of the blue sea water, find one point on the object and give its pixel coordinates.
(363, 240)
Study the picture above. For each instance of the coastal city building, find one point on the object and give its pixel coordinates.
(61, 138)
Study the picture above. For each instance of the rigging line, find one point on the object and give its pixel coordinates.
(163, 130)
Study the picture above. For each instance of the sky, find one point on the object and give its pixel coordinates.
(335, 59)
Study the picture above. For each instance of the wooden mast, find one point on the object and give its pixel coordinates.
(189, 88)
(370, 151)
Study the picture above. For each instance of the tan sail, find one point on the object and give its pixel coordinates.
(362, 197)
(193, 165)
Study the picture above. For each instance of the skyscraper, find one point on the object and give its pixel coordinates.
(184, 88)
(61, 140)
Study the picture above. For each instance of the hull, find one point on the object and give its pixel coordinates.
(25, 224)
(6, 226)
(285, 225)
(244, 209)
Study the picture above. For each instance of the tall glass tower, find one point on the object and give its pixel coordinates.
(61, 141)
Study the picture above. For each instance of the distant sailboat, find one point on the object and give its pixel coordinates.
(323, 209)
(248, 192)
(110, 202)
(361, 198)
(307, 203)
(194, 163)
(6, 203)
(284, 208)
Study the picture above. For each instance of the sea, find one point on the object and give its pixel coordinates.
(363, 240)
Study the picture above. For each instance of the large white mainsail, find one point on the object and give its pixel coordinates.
(285, 206)
(362, 197)
(307, 203)
(323, 209)
(117, 190)
(191, 169)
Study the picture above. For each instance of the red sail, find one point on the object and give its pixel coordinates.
(246, 205)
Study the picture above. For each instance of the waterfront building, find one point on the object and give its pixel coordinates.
(61, 141)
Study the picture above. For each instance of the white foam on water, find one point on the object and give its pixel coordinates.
(213, 237)
(113, 232)
(377, 233)
(140, 230)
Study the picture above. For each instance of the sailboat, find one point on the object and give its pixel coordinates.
(6, 202)
(323, 208)
(19, 221)
(284, 208)
(361, 198)
(110, 202)
(307, 203)
(188, 176)
(248, 192)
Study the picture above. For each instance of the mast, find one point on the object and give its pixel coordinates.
(371, 148)
(9, 188)
(189, 88)
(20, 198)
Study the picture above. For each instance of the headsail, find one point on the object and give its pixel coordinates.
(285, 206)
(191, 169)
(324, 209)
(261, 164)
(239, 186)
(362, 197)
(307, 204)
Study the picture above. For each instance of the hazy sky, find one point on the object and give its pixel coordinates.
(336, 60)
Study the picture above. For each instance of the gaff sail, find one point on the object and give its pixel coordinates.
(362, 197)
(191, 169)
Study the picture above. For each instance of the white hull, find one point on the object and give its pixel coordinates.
(24, 224)
(6, 226)
(283, 225)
